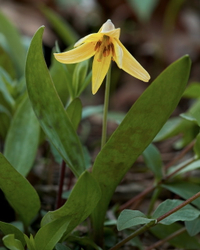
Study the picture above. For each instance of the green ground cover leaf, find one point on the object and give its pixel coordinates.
(22, 139)
(136, 132)
(129, 218)
(182, 241)
(193, 227)
(186, 213)
(49, 108)
(185, 190)
(18, 191)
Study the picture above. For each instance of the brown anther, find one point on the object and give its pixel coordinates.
(112, 49)
(97, 46)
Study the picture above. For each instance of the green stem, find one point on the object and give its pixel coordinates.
(105, 112)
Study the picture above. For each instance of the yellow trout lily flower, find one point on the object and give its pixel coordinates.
(104, 46)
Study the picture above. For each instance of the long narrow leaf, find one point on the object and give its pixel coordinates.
(137, 130)
(18, 191)
(49, 108)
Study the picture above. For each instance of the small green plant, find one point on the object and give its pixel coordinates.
(45, 103)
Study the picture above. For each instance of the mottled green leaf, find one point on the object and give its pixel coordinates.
(49, 108)
(47, 236)
(81, 202)
(22, 138)
(18, 191)
(137, 130)
(74, 111)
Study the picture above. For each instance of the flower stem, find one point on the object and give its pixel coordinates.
(105, 112)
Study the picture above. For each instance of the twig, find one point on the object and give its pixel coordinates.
(161, 242)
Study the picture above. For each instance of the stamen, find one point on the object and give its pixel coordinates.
(112, 49)
(97, 46)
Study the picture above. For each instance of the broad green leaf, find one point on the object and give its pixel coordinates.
(192, 91)
(182, 241)
(143, 9)
(81, 202)
(7, 228)
(74, 112)
(186, 213)
(153, 160)
(190, 117)
(47, 236)
(62, 79)
(137, 130)
(193, 227)
(11, 243)
(184, 189)
(130, 218)
(22, 139)
(14, 43)
(18, 191)
(49, 108)
(79, 76)
(197, 147)
(64, 30)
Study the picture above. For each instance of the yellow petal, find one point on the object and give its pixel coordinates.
(108, 28)
(128, 63)
(76, 55)
(99, 71)
(113, 33)
(90, 38)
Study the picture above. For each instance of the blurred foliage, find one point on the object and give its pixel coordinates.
(57, 118)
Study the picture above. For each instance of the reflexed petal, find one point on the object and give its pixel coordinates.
(99, 71)
(113, 33)
(76, 55)
(129, 64)
(90, 38)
